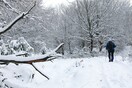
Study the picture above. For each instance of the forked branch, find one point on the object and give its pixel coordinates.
(7, 27)
(30, 60)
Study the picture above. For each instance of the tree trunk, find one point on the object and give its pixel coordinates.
(100, 46)
(91, 43)
(69, 44)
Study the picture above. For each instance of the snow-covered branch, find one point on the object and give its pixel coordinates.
(5, 60)
(6, 28)
(32, 59)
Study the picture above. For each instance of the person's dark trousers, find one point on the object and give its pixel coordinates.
(111, 56)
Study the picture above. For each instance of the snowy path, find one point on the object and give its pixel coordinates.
(88, 73)
(95, 72)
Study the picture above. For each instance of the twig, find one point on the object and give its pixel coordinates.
(40, 71)
(30, 8)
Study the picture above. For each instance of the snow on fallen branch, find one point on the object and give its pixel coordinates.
(5, 60)
(31, 59)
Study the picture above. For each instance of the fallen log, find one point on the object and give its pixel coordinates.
(31, 59)
(5, 60)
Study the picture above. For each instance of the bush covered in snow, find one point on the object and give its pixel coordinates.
(21, 45)
(40, 47)
(127, 53)
(84, 52)
(16, 46)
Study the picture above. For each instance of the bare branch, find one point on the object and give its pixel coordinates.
(39, 71)
(6, 28)
(57, 48)
(31, 8)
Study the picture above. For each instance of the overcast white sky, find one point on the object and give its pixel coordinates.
(131, 1)
(54, 3)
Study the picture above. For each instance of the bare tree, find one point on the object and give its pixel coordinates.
(97, 20)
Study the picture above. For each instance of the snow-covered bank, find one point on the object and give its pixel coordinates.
(94, 72)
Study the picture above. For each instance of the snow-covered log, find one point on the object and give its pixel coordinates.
(31, 59)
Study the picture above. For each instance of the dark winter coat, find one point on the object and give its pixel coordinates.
(110, 46)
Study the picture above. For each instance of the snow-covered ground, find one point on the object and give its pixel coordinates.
(94, 72)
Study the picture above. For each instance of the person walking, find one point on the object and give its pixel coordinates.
(110, 47)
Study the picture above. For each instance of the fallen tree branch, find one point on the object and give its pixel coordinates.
(3, 63)
(39, 71)
(30, 60)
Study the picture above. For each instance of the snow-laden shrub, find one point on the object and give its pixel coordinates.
(44, 50)
(24, 46)
(16, 46)
(127, 53)
(6, 50)
(84, 52)
(40, 46)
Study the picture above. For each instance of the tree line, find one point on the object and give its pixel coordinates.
(83, 25)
